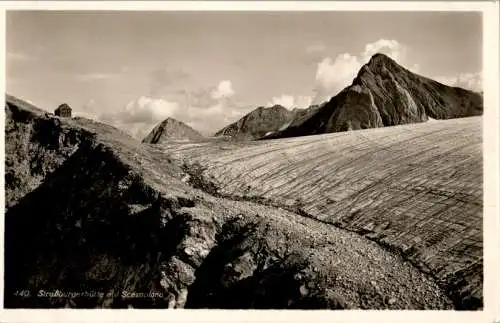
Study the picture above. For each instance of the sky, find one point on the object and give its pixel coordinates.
(208, 69)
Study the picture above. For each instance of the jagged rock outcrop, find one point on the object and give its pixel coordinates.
(112, 223)
(258, 123)
(172, 130)
(386, 94)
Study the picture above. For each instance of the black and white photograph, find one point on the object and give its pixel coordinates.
(245, 159)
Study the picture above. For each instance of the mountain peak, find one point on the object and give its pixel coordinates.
(379, 64)
(385, 93)
(172, 129)
(170, 120)
(271, 107)
(379, 57)
(380, 61)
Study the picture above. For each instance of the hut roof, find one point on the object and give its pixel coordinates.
(63, 106)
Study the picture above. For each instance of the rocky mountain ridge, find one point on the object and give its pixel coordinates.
(258, 123)
(386, 94)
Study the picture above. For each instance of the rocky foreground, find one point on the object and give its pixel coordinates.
(95, 219)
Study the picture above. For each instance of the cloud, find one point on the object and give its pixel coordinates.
(392, 48)
(208, 120)
(211, 109)
(205, 109)
(138, 116)
(89, 110)
(224, 90)
(470, 81)
(290, 101)
(332, 75)
(303, 101)
(287, 101)
(146, 109)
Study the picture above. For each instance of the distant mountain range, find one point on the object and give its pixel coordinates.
(383, 94)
